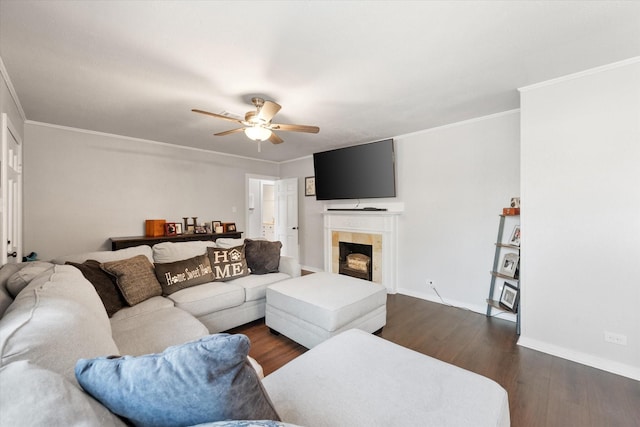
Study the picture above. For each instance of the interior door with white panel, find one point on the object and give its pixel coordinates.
(287, 215)
(11, 193)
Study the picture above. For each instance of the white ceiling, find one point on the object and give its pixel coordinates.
(361, 70)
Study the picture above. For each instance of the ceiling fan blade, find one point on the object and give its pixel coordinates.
(228, 132)
(219, 116)
(275, 138)
(268, 110)
(296, 128)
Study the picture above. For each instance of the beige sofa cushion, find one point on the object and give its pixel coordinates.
(18, 281)
(152, 326)
(6, 271)
(255, 285)
(106, 256)
(152, 304)
(56, 320)
(152, 331)
(208, 298)
(177, 251)
(34, 396)
(227, 243)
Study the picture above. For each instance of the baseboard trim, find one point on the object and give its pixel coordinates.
(582, 358)
(480, 309)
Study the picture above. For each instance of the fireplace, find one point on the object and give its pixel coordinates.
(376, 229)
(355, 260)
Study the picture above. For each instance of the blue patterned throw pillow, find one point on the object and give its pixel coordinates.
(198, 382)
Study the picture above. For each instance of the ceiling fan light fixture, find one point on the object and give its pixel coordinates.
(257, 133)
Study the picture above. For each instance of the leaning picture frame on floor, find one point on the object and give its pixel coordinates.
(310, 186)
(515, 236)
(509, 297)
(509, 264)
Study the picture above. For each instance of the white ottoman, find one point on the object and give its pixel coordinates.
(312, 308)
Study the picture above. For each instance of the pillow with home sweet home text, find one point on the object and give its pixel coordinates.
(228, 263)
(177, 275)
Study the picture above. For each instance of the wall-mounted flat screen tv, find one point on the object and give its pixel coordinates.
(364, 171)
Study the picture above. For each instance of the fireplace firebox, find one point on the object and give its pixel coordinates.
(356, 260)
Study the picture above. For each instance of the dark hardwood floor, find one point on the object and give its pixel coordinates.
(543, 390)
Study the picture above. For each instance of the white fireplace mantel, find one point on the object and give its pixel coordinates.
(384, 223)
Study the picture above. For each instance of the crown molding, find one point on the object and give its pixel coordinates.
(146, 141)
(12, 90)
(580, 74)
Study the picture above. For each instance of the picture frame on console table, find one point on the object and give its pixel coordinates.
(216, 227)
(229, 227)
(178, 227)
(310, 186)
(170, 229)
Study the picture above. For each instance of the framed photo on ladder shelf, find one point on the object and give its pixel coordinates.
(509, 265)
(509, 297)
(515, 236)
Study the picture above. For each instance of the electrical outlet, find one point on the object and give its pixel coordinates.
(615, 338)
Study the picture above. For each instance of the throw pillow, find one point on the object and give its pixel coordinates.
(247, 423)
(105, 285)
(262, 256)
(174, 276)
(135, 278)
(229, 263)
(201, 381)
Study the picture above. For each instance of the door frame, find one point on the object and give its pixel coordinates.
(247, 189)
(16, 227)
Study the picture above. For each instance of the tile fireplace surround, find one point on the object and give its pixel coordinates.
(376, 228)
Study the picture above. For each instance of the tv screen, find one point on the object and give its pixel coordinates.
(364, 171)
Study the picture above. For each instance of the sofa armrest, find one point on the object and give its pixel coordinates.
(290, 266)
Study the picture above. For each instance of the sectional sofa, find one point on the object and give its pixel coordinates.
(56, 339)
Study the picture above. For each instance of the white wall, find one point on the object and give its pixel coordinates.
(80, 188)
(310, 221)
(581, 217)
(454, 182)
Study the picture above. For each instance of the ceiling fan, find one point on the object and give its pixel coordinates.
(257, 124)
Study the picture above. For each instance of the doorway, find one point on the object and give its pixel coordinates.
(261, 212)
(272, 211)
(10, 193)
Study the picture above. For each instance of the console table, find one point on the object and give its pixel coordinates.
(127, 242)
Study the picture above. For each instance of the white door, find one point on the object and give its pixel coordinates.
(287, 216)
(11, 191)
